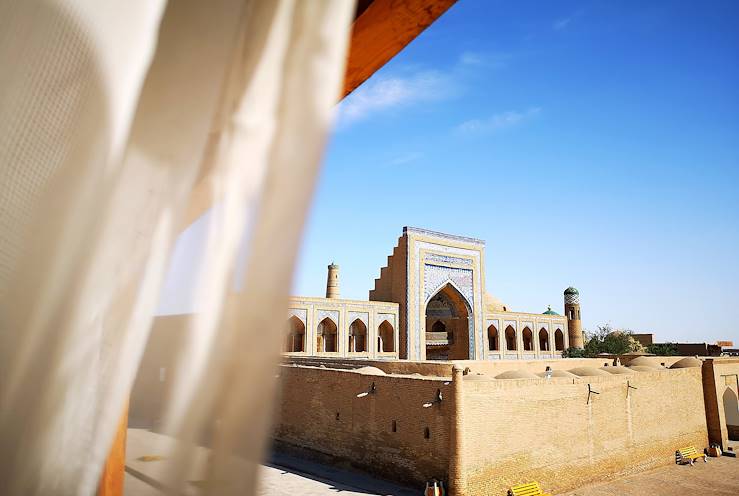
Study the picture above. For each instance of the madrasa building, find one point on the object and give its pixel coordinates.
(429, 303)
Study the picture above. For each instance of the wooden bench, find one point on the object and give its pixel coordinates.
(689, 455)
(528, 489)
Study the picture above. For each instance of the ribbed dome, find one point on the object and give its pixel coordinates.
(571, 291)
(587, 371)
(618, 370)
(687, 362)
(516, 374)
(557, 373)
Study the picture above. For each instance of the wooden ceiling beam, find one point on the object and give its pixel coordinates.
(382, 29)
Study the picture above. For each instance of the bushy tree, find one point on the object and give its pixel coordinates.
(573, 353)
(662, 349)
(606, 340)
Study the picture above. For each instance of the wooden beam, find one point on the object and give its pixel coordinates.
(382, 30)
(111, 481)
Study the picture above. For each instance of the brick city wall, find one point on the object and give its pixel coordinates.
(320, 414)
(529, 429)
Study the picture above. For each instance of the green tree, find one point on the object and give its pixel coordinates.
(573, 353)
(606, 340)
(662, 349)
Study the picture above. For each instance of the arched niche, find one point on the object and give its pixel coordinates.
(326, 336)
(448, 308)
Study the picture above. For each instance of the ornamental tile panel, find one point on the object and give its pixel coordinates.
(446, 259)
(332, 314)
(300, 313)
(436, 276)
(363, 316)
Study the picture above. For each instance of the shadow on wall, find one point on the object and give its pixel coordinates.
(731, 410)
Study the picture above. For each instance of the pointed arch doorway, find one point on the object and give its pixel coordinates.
(447, 334)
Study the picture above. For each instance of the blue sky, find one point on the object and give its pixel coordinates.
(591, 144)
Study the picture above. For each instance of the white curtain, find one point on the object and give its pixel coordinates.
(111, 114)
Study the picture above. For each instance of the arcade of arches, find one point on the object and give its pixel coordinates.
(327, 337)
(511, 342)
(344, 328)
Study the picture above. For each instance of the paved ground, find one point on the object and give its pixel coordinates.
(293, 476)
(284, 476)
(718, 477)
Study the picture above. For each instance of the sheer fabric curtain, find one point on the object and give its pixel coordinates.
(109, 116)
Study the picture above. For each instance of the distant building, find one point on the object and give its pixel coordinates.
(429, 303)
(644, 339)
(697, 349)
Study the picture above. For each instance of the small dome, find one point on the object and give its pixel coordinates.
(643, 368)
(588, 371)
(369, 371)
(557, 373)
(618, 370)
(687, 362)
(571, 291)
(494, 304)
(516, 374)
(475, 377)
(550, 311)
(643, 361)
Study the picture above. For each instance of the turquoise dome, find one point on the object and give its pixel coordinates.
(571, 290)
(550, 311)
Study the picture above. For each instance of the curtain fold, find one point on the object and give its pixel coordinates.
(109, 115)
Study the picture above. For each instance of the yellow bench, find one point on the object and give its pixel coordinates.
(689, 455)
(528, 489)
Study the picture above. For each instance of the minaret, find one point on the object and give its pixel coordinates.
(332, 282)
(572, 311)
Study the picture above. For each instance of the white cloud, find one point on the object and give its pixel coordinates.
(384, 93)
(470, 58)
(406, 159)
(561, 24)
(497, 122)
(564, 22)
(494, 60)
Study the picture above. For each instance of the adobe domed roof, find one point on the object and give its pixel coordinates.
(369, 371)
(643, 368)
(571, 290)
(618, 370)
(516, 374)
(475, 377)
(557, 373)
(494, 303)
(587, 371)
(687, 362)
(643, 361)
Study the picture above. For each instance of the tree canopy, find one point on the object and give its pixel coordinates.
(606, 340)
